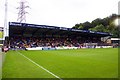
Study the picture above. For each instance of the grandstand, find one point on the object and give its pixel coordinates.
(48, 63)
(33, 36)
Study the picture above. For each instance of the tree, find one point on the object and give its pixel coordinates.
(103, 25)
(76, 26)
(96, 22)
(99, 28)
(86, 25)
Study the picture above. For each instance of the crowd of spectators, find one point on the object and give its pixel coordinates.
(29, 42)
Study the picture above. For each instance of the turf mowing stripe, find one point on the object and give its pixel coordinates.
(39, 65)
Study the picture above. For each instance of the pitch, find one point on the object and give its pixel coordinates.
(80, 63)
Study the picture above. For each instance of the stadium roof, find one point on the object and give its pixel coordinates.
(25, 29)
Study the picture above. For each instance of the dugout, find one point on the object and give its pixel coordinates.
(43, 31)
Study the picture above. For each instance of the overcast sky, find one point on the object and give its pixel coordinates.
(62, 13)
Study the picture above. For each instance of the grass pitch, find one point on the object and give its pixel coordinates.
(81, 63)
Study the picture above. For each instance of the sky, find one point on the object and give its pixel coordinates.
(61, 13)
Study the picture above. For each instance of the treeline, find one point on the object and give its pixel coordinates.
(103, 25)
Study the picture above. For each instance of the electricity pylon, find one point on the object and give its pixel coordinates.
(22, 11)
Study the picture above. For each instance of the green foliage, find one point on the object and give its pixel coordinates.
(103, 25)
(80, 27)
(115, 32)
(1, 34)
(99, 28)
(80, 63)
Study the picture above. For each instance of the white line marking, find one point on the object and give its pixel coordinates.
(39, 66)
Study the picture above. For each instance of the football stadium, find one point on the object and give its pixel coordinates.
(33, 51)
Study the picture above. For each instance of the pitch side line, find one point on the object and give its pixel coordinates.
(39, 66)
